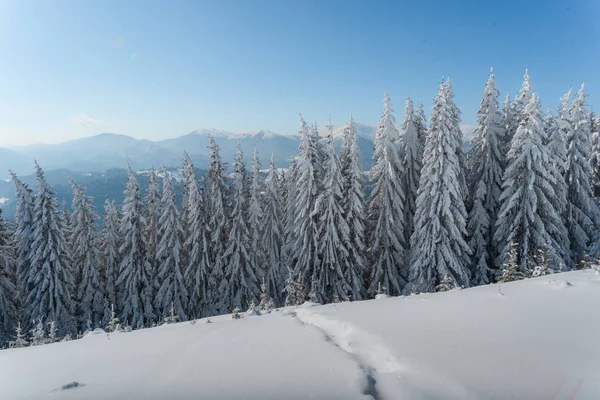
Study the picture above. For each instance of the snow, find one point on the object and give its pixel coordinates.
(3, 200)
(531, 339)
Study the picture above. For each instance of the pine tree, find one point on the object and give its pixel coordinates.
(521, 100)
(411, 165)
(110, 242)
(86, 258)
(52, 332)
(304, 252)
(172, 291)
(582, 216)
(194, 222)
(256, 219)
(38, 335)
(242, 285)
(290, 290)
(20, 339)
(289, 195)
(219, 231)
(485, 184)
(23, 235)
(511, 123)
(152, 214)
(386, 208)
(135, 287)
(440, 218)
(333, 233)
(113, 321)
(8, 292)
(595, 158)
(353, 196)
(528, 214)
(543, 263)
(421, 124)
(273, 235)
(49, 279)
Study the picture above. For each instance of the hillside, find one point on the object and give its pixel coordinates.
(533, 339)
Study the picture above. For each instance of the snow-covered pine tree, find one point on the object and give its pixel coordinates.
(8, 292)
(529, 215)
(218, 224)
(172, 292)
(510, 124)
(386, 208)
(290, 290)
(446, 284)
(38, 334)
(303, 251)
(485, 184)
(511, 270)
(135, 287)
(411, 165)
(152, 213)
(273, 236)
(595, 158)
(110, 241)
(542, 266)
(333, 233)
(113, 321)
(456, 116)
(353, 196)
(52, 332)
(20, 339)
(557, 142)
(256, 219)
(441, 216)
(421, 123)
(242, 280)
(194, 223)
(582, 215)
(86, 259)
(521, 100)
(49, 278)
(23, 235)
(289, 192)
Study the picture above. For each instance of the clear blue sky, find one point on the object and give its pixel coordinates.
(158, 69)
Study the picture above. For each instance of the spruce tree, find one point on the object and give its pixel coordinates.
(485, 184)
(421, 123)
(242, 280)
(511, 123)
(411, 165)
(386, 208)
(49, 279)
(353, 196)
(582, 217)
(255, 219)
(273, 236)
(303, 250)
(135, 287)
(110, 241)
(8, 292)
(333, 235)
(529, 215)
(172, 295)
(440, 218)
(86, 259)
(218, 224)
(195, 253)
(595, 158)
(152, 213)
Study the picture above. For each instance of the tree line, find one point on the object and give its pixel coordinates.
(520, 201)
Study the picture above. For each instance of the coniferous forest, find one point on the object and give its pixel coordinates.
(430, 215)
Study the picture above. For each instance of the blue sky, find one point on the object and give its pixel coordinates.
(159, 69)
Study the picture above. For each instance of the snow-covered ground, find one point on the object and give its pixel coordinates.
(533, 339)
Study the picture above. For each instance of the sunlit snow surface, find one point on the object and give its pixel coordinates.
(534, 339)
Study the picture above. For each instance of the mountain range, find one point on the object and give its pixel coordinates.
(107, 151)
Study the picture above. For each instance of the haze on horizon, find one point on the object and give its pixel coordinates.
(161, 70)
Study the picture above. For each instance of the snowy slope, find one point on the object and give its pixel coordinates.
(536, 340)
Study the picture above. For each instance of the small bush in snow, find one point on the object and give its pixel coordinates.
(20, 340)
(235, 314)
(251, 308)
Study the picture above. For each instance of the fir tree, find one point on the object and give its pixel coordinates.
(152, 214)
(413, 155)
(135, 287)
(23, 235)
(20, 339)
(52, 332)
(595, 158)
(172, 291)
(110, 242)
(38, 334)
(529, 213)
(86, 258)
(113, 321)
(273, 235)
(218, 224)
(195, 248)
(290, 290)
(543, 263)
(256, 219)
(49, 279)
(353, 196)
(242, 285)
(440, 218)
(333, 235)
(386, 208)
(304, 252)
(511, 123)
(582, 217)
(486, 185)
(8, 292)
(421, 124)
